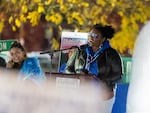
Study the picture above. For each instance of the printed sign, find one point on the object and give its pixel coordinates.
(69, 39)
(5, 44)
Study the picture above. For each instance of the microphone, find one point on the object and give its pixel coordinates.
(53, 51)
(73, 47)
(81, 46)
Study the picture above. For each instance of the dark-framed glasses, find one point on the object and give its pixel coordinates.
(93, 35)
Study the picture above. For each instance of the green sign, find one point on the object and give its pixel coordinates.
(5, 44)
(127, 63)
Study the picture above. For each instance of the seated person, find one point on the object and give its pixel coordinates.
(2, 62)
(28, 67)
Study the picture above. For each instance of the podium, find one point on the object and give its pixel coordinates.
(69, 80)
(88, 88)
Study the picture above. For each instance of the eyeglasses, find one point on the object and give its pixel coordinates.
(92, 35)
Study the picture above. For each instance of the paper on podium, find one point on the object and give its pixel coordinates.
(67, 82)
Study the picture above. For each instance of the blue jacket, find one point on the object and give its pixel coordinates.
(110, 68)
(31, 70)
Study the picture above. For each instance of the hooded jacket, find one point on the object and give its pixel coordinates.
(110, 68)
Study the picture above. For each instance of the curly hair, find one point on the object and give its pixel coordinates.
(106, 31)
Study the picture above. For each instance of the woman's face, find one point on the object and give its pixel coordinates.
(95, 38)
(17, 55)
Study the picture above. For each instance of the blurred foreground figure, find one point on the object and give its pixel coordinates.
(28, 67)
(53, 97)
(138, 100)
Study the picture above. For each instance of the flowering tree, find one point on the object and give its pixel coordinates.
(81, 14)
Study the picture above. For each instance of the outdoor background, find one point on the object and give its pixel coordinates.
(38, 24)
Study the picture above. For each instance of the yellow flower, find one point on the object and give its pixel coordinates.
(13, 1)
(125, 22)
(48, 2)
(1, 26)
(103, 19)
(47, 17)
(85, 4)
(13, 28)
(120, 13)
(41, 8)
(56, 18)
(34, 17)
(113, 3)
(36, 1)
(24, 9)
(61, 2)
(23, 18)
(101, 2)
(10, 19)
(74, 1)
(80, 20)
(69, 20)
(17, 22)
(63, 8)
(55, 44)
(75, 14)
(95, 10)
(59, 18)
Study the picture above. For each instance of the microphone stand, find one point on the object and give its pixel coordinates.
(54, 51)
(51, 57)
(50, 53)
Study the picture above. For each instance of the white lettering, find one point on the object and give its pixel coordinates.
(3, 46)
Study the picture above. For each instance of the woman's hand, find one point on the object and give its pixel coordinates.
(10, 64)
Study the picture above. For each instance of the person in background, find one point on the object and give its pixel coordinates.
(2, 65)
(100, 60)
(28, 67)
(2, 62)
